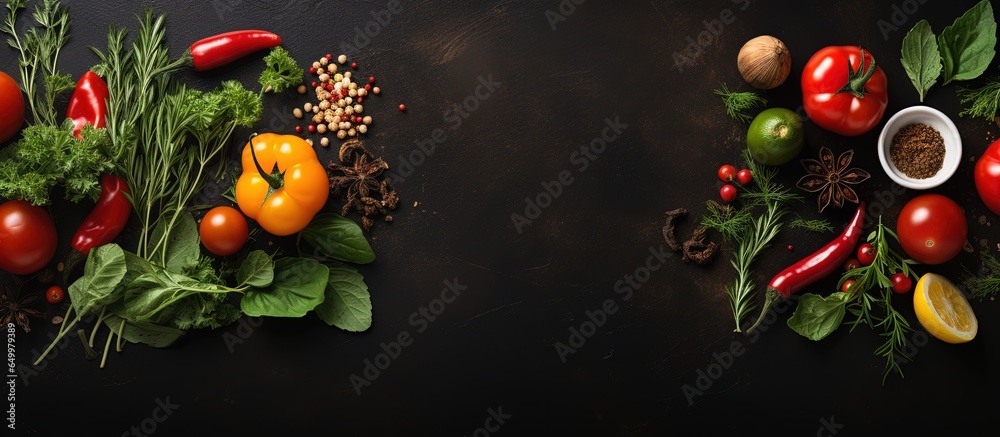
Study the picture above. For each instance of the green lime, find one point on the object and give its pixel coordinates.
(775, 136)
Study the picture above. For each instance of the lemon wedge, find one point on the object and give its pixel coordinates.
(943, 310)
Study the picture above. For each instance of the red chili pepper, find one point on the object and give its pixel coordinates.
(814, 267)
(218, 50)
(104, 222)
(89, 103)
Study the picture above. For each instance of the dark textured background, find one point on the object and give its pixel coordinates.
(493, 347)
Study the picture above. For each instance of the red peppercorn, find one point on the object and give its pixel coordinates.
(358, 119)
(371, 79)
(790, 247)
(368, 87)
(329, 87)
(354, 65)
(361, 99)
(313, 84)
(328, 56)
(312, 128)
(312, 70)
(298, 129)
(402, 107)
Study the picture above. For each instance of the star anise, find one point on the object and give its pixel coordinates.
(832, 177)
(16, 307)
(366, 190)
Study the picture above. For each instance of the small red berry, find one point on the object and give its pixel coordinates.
(745, 176)
(312, 128)
(361, 99)
(727, 193)
(312, 70)
(371, 79)
(402, 107)
(313, 84)
(329, 87)
(298, 129)
(328, 56)
(791, 248)
(54, 294)
(368, 87)
(354, 65)
(358, 119)
(727, 173)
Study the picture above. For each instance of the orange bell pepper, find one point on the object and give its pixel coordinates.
(284, 198)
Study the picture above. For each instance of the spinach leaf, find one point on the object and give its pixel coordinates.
(153, 297)
(337, 237)
(182, 247)
(816, 317)
(921, 59)
(347, 305)
(257, 270)
(298, 287)
(150, 334)
(102, 273)
(967, 46)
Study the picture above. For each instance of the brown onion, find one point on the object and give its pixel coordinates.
(764, 62)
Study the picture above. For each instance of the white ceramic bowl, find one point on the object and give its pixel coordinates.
(933, 118)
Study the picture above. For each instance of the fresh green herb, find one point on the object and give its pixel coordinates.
(968, 45)
(985, 283)
(869, 300)
(737, 103)
(282, 71)
(814, 225)
(347, 304)
(337, 237)
(981, 102)
(774, 198)
(46, 156)
(299, 286)
(38, 50)
(729, 221)
(921, 59)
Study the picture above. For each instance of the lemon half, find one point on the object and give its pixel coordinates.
(943, 310)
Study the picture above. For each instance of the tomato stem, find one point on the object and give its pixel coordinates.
(856, 79)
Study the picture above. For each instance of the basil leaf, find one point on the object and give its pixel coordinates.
(921, 59)
(257, 270)
(337, 237)
(150, 334)
(183, 245)
(298, 287)
(816, 317)
(102, 273)
(154, 297)
(348, 305)
(967, 46)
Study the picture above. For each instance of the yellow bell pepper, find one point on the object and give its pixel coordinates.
(283, 184)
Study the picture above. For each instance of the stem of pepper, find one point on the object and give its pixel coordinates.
(275, 179)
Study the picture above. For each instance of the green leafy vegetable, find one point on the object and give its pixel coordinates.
(737, 103)
(816, 316)
(298, 287)
(968, 45)
(921, 59)
(178, 251)
(981, 102)
(150, 334)
(104, 270)
(337, 237)
(986, 283)
(347, 305)
(257, 270)
(282, 71)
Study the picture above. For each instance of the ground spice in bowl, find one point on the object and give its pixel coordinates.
(917, 151)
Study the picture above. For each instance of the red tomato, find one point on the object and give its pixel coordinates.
(727, 193)
(745, 176)
(846, 286)
(841, 93)
(987, 177)
(932, 228)
(866, 254)
(11, 107)
(901, 284)
(223, 230)
(727, 173)
(27, 237)
(54, 294)
(851, 264)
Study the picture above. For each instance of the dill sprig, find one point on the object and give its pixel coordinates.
(871, 297)
(774, 198)
(739, 102)
(813, 225)
(981, 102)
(986, 283)
(728, 221)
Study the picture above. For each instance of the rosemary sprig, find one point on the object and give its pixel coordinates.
(981, 102)
(814, 225)
(871, 297)
(739, 102)
(774, 198)
(38, 50)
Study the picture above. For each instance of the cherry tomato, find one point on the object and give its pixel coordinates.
(987, 177)
(223, 230)
(54, 294)
(851, 264)
(866, 254)
(847, 284)
(11, 107)
(836, 93)
(932, 228)
(728, 193)
(745, 176)
(727, 173)
(27, 237)
(901, 284)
